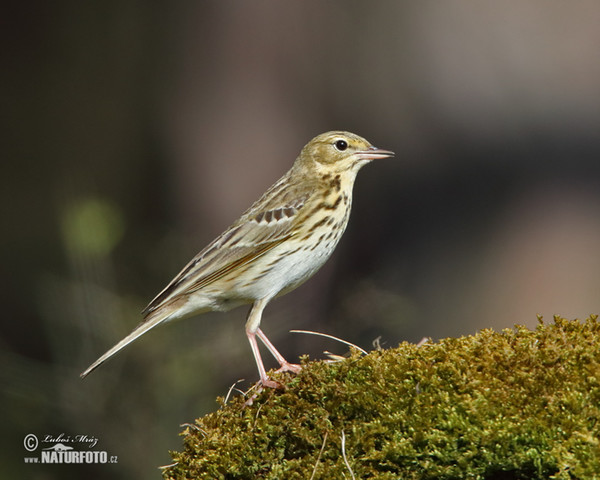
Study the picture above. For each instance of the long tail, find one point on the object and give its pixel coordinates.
(151, 322)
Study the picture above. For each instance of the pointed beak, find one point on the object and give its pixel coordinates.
(373, 153)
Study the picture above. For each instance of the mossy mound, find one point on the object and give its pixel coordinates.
(519, 404)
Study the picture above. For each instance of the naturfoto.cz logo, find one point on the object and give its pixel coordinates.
(60, 449)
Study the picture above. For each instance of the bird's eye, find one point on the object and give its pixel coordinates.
(341, 145)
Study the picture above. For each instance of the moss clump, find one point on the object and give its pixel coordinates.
(519, 404)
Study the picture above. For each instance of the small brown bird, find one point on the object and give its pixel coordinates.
(276, 245)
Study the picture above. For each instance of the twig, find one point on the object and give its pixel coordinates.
(319, 457)
(344, 455)
(377, 343)
(329, 336)
(231, 389)
(195, 427)
(333, 358)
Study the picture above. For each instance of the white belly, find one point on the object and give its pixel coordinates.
(291, 266)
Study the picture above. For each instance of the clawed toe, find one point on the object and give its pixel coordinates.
(289, 367)
(285, 367)
(267, 383)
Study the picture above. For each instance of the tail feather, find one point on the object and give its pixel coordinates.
(151, 322)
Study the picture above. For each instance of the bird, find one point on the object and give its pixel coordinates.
(275, 246)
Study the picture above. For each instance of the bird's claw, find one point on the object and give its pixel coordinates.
(289, 367)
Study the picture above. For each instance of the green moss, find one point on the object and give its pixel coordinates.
(519, 404)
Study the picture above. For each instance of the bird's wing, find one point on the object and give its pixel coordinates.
(253, 235)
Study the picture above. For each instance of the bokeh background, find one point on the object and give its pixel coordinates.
(135, 132)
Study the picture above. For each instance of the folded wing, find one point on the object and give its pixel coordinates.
(244, 242)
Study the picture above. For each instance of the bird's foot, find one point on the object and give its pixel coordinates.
(289, 367)
(268, 383)
(258, 388)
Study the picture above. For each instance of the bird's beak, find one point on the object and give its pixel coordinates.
(373, 153)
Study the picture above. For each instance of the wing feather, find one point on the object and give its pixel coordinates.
(253, 235)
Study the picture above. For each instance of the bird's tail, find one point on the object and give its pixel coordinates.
(150, 322)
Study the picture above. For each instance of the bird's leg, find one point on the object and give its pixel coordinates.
(252, 331)
(285, 365)
(252, 324)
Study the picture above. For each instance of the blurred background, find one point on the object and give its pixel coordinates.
(135, 132)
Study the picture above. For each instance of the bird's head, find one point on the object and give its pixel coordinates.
(340, 152)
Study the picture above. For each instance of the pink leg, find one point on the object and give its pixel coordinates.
(264, 379)
(285, 365)
(252, 331)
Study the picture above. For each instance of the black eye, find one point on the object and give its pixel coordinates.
(341, 145)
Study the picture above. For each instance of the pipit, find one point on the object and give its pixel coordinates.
(276, 245)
